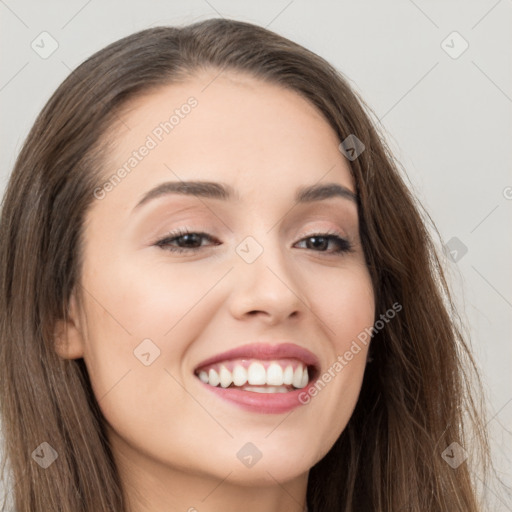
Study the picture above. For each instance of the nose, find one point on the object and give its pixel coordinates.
(267, 288)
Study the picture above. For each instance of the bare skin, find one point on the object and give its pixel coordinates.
(175, 441)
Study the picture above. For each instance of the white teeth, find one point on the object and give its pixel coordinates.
(239, 375)
(305, 379)
(288, 375)
(297, 377)
(213, 378)
(257, 374)
(225, 377)
(269, 389)
(275, 377)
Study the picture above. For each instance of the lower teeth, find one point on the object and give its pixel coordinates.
(266, 389)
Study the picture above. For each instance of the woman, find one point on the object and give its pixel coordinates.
(217, 292)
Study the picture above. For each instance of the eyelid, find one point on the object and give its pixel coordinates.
(180, 231)
(322, 231)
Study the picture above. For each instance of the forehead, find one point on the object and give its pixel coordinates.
(241, 130)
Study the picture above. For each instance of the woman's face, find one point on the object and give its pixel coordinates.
(269, 272)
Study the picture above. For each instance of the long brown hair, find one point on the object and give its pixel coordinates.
(416, 397)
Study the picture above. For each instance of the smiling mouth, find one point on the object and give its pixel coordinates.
(258, 376)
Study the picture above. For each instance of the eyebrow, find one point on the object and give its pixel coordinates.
(213, 190)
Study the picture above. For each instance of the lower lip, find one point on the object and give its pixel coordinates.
(265, 403)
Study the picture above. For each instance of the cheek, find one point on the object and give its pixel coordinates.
(139, 313)
(344, 300)
(345, 305)
(146, 301)
(137, 332)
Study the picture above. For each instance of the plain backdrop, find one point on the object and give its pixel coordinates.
(437, 75)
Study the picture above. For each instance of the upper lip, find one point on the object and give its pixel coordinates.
(265, 351)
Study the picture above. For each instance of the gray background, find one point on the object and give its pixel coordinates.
(447, 119)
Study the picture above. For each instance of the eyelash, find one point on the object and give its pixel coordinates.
(344, 246)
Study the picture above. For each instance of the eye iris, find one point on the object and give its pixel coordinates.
(193, 239)
(318, 242)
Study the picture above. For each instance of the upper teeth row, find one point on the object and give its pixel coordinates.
(256, 374)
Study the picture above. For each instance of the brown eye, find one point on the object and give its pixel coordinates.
(321, 242)
(183, 241)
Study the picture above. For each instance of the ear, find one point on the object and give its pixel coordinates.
(68, 337)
